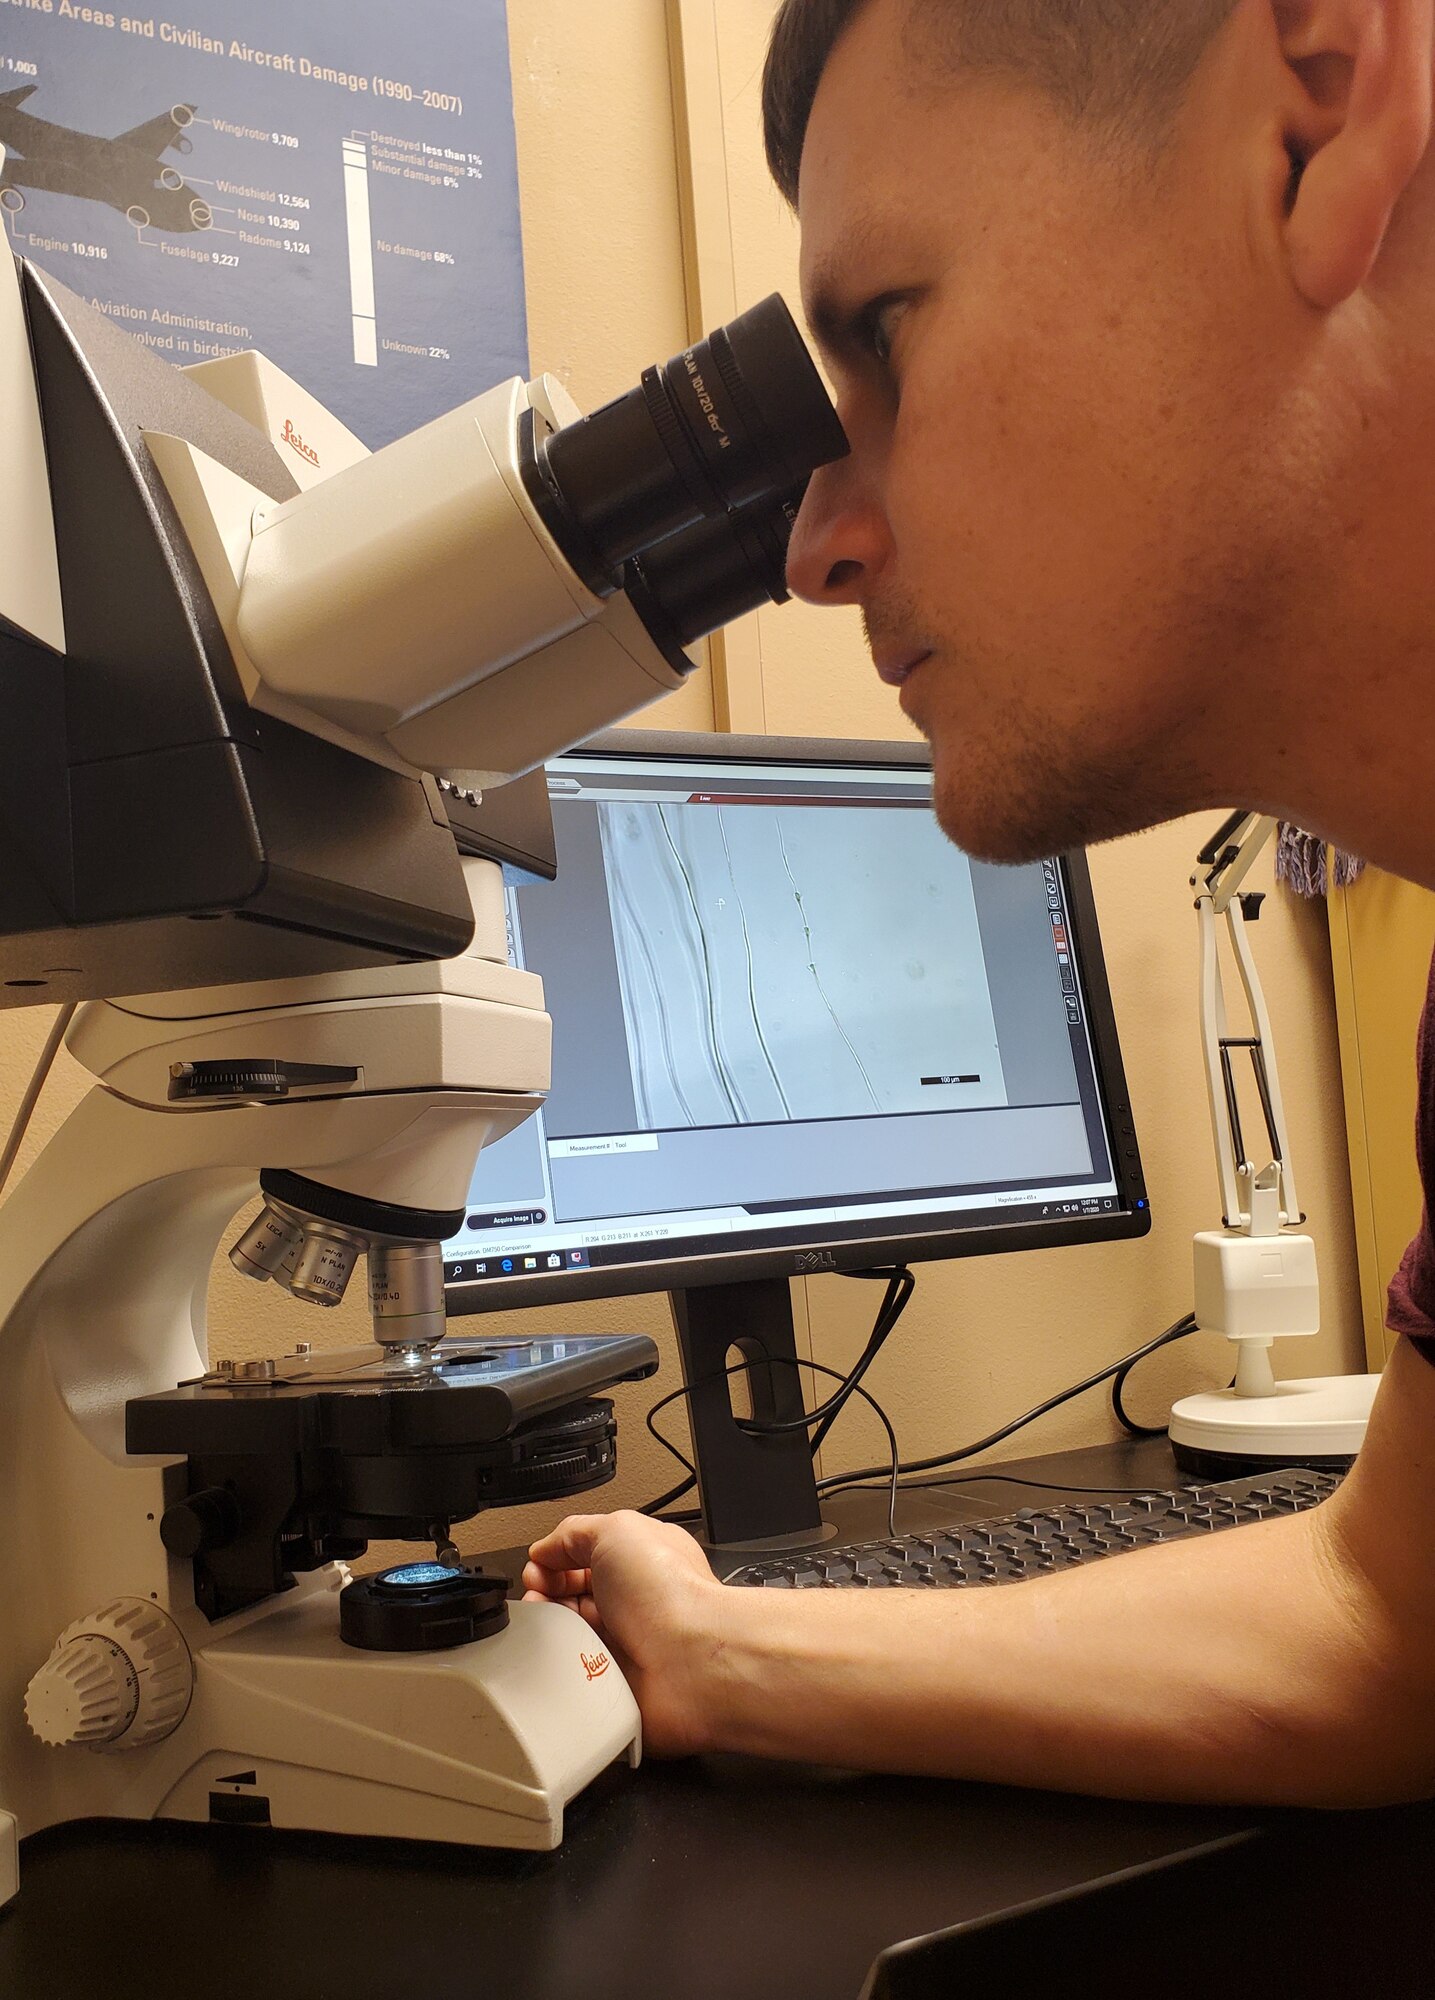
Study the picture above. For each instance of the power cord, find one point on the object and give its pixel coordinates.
(848, 1388)
(1178, 1330)
(1118, 1386)
(1005, 1479)
(655, 1508)
(900, 1285)
(684, 1485)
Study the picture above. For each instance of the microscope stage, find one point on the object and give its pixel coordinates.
(467, 1393)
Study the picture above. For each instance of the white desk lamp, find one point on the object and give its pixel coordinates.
(1256, 1278)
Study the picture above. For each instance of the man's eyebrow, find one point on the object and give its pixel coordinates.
(833, 312)
(831, 321)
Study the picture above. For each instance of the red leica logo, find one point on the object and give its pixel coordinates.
(292, 438)
(595, 1664)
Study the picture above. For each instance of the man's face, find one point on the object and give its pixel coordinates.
(1067, 511)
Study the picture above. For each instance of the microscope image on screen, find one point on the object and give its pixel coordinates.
(781, 962)
(786, 1010)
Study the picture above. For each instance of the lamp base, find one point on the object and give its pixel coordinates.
(1317, 1422)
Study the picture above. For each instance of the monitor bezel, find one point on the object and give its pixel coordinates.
(1131, 1219)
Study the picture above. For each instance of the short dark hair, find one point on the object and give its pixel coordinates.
(1124, 62)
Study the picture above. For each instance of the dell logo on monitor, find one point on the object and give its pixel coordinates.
(814, 1260)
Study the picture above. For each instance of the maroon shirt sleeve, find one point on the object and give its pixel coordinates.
(1410, 1307)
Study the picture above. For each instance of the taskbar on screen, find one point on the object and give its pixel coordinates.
(541, 1260)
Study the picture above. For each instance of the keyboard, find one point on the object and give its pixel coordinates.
(1040, 1541)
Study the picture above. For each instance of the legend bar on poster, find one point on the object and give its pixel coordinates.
(361, 253)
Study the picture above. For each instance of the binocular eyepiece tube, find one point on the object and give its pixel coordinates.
(684, 491)
(540, 577)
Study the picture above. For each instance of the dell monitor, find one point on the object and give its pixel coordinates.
(796, 1030)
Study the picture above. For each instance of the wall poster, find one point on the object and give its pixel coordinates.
(333, 182)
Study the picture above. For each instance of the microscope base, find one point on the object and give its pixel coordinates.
(482, 1744)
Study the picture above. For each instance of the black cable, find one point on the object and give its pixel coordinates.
(786, 1361)
(1177, 1331)
(900, 1286)
(684, 1485)
(673, 1493)
(1001, 1478)
(1118, 1385)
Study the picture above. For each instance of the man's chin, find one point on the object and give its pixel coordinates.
(989, 799)
(990, 825)
(988, 837)
(1026, 815)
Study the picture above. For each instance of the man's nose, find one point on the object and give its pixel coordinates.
(840, 541)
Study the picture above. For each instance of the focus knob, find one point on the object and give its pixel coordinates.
(116, 1680)
(208, 1519)
(86, 1692)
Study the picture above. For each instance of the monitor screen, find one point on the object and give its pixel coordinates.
(794, 1029)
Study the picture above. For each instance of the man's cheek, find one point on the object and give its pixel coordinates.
(988, 487)
(978, 572)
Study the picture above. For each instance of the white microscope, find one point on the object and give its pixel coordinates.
(257, 681)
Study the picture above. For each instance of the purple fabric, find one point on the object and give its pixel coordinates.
(1410, 1307)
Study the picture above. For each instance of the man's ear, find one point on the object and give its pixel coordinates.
(1357, 128)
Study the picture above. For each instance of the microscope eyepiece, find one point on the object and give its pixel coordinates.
(714, 571)
(731, 423)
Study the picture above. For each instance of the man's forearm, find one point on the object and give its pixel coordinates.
(1290, 1662)
(1240, 1666)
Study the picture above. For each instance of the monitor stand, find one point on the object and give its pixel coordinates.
(757, 1492)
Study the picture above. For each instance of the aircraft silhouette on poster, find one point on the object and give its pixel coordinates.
(126, 172)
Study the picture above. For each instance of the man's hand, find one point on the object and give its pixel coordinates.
(647, 1589)
(1290, 1661)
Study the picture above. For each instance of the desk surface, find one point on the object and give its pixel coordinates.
(705, 1878)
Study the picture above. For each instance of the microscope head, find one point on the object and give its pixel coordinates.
(510, 578)
(234, 692)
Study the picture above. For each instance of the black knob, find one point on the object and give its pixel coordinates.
(208, 1519)
(262, 1078)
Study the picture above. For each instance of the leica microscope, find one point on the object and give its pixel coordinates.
(267, 723)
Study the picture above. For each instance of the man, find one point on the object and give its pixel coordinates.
(1131, 314)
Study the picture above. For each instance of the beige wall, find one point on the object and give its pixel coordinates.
(603, 232)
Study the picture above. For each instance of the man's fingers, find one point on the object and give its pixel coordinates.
(571, 1544)
(541, 1581)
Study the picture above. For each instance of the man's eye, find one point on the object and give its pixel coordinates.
(883, 318)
